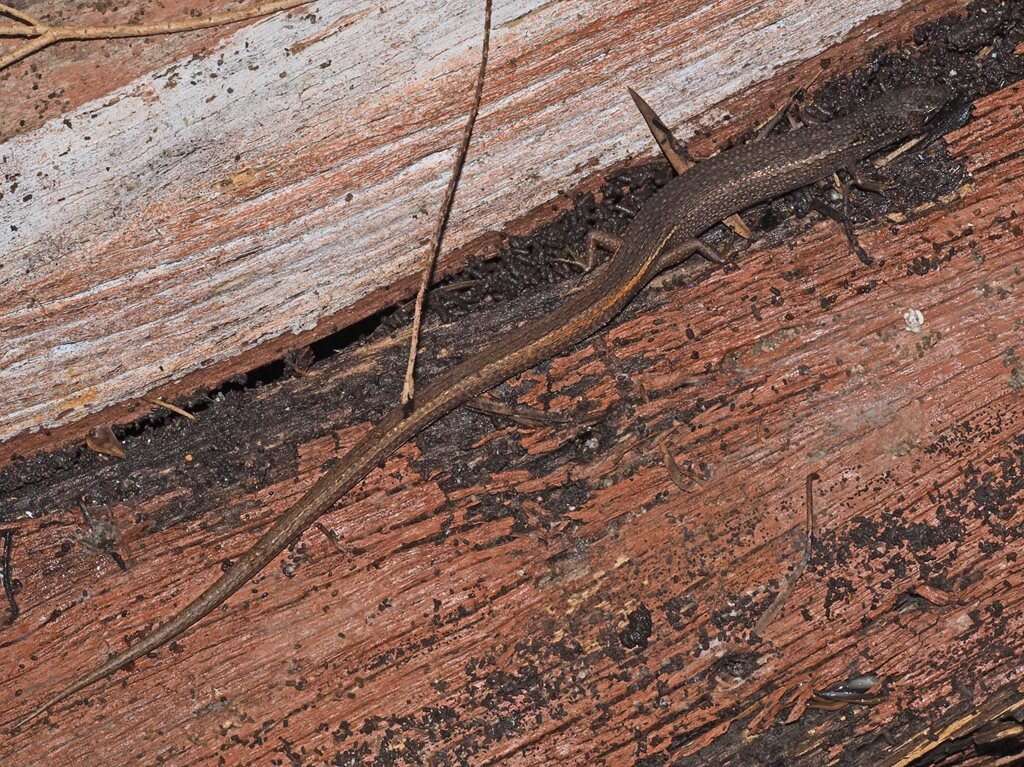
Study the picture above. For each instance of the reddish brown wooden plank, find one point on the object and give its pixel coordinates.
(476, 610)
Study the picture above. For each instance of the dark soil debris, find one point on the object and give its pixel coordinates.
(638, 632)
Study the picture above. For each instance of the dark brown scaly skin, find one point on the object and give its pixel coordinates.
(678, 213)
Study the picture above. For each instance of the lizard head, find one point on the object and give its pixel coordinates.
(905, 111)
(921, 102)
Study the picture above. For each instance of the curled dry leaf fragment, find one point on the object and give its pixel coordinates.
(102, 440)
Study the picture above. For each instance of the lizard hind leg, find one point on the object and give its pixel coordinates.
(681, 251)
(844, 188)
(595, 240)
(866, 182)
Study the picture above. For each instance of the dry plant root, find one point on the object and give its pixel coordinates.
(41, 35)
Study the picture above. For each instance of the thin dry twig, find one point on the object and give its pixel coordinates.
(170, 406)
(810, 530)
(899, 151)
(409, 388)
(42, 35)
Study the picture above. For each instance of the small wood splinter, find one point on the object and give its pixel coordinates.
(790, 581)
(42, 35)
(675, 473)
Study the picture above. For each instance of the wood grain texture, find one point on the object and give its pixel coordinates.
(551, 596)
(180, 210)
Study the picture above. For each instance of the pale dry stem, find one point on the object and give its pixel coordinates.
(43, 35)
(409, 386)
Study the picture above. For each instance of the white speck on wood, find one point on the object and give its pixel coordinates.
(913, 320)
